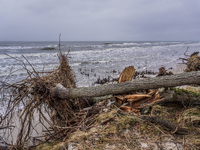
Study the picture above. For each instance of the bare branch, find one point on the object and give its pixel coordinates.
(186, 51)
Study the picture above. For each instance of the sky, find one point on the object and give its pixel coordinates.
(100, 20)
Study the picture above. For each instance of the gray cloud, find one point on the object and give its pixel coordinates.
(99, 20)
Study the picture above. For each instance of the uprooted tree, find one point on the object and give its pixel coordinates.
(55, 95)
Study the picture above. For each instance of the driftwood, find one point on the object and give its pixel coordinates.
(127, 74)
(187, 78)
(163, 72)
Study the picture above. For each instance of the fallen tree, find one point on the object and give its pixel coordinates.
(187, 78)
(63, 108)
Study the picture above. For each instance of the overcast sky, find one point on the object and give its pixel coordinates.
(99, 20)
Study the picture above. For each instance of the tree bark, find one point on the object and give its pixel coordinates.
(186, 78)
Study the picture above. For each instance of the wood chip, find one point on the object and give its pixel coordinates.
(128, 109)
(136, 97)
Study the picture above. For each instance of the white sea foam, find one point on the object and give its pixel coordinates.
(15, 47)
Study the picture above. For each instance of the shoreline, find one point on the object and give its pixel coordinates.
(178, 69)
(11, 134)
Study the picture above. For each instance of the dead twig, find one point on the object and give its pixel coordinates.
(186, 51)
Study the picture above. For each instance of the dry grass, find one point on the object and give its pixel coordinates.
(127, 131)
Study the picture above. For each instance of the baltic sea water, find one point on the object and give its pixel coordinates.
(90, 59)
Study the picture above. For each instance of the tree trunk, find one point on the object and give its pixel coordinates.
(186, 78)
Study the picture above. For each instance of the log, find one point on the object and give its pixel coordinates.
(186, 78)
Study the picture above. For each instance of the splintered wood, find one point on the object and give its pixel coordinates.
(136, 97)
(134, 102)
(127, 74)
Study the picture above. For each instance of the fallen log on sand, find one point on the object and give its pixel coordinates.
(187, 78)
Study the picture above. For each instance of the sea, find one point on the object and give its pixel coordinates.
(90, 60)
